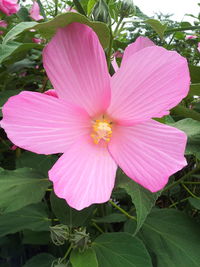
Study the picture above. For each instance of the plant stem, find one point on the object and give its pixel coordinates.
(118, 24)
(97, 227)
(110, 50)
(187, 175)
(67, 253)
(175, 203)
(122, 210)
(190, 192)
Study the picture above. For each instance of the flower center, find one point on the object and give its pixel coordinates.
(102, 130)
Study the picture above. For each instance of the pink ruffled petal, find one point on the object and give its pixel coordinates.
(140, 43)
(35, 12)
(148, 84)
(84, 175)
(43, 124)
(149, 152)
(76, 65)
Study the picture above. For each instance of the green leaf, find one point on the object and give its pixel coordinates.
(120, 250)
(192, 129)
(157, 26)
(90, 6)
(194, 89)
(12, 48)
(20, 188)
(48, 29)
(19, 28)
(185, 112)
(143, 199)
(41, 163)
(111, 218)
(173, 238)
(194, 73)
(69, 216)
(40, 260)
(31, 217)
(87, 258)
(36, 238)
(194, 202)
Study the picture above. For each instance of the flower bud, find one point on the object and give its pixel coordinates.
(127, 8)
(101, 12)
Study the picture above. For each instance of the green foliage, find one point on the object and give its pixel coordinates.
(33, 217)
(143, 199)
(67, 215)
(86, 258)
(172, 238)
(119, 250)
(135, 228)
(20, 188)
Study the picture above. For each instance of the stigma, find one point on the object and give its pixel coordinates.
(102, 130)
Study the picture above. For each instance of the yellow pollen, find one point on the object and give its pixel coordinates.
(102, 130)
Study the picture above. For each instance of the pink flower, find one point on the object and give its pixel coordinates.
(118, 54)
(37, 40)
(3, 24)
(198, 47)
(99, 121)
(9, 7)
(190, 37)
(35, 12)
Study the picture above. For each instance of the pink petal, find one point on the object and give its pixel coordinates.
(140, 43)
(35, 12)
(198, 47)
(3, 24)
(149, 152)
(43, 124)
(51, 92)
(148, 84)
(9, 7)
(76, 65)
(84, 175)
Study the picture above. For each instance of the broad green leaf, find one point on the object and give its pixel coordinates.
(41, 163)
(86, 258)
(194, 89)
(192, 129)
(173, 238)
(184, 112)
(120, 250)
(194, 202)
(69, 216)
(111, 218)
(31, 217)
(40, 260)
(143, 199)
(16, 30)
(194, 73)
(48, 29)
(36, 238)
(12, 48)
(20, 188)
(157, 26)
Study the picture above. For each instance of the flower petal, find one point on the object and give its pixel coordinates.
(76, 65)
(149, 152)
(84, 175)
(35, 12)
(43, 124)
(150, 83)
(140, 43)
